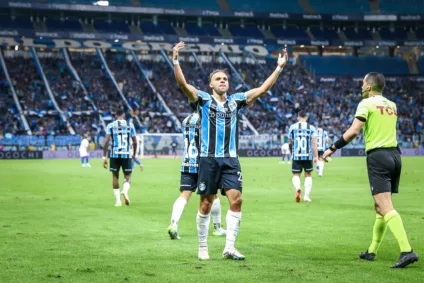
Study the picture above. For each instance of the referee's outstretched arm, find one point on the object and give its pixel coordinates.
(347, 137)
(188, 89)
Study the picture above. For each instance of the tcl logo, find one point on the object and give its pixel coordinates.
(389, 110)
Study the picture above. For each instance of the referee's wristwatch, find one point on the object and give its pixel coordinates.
(332, 148)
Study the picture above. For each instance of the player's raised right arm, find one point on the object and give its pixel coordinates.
(188, 89)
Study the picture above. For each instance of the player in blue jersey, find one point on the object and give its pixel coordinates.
(303, 146)
(121, 132)
(219, 166)
(322, 141)
(189, 170)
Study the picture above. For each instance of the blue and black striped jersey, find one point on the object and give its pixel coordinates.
(121, 133)
(322, 137)
(301, 135)
(191, 130)
(219, 132)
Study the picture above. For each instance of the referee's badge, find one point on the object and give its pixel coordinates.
(202, 186)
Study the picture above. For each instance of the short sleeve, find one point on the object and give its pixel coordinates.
(204, 97)
(362, 110)
(132, 130)
(313, 132)
(291, 132)
(109, 129)
(240, 99)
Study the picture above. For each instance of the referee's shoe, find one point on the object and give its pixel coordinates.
(405, 259)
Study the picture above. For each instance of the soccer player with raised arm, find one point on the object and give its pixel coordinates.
(322, 141)
(219, 166)
(378, 117)
(121, 132)
(303, 145)
(83, 150)
(189, 170)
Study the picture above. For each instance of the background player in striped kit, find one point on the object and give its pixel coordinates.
(189, 170)
(219, 166)
(322, 141)
(120, 131)
(303, 145)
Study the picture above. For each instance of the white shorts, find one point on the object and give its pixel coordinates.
(83, 153)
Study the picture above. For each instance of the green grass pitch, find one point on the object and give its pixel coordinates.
(58, 223)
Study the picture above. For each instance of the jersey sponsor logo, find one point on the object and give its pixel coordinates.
(222, 115)
(389, 110)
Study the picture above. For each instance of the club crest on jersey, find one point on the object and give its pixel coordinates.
(202, 186)
(232, 105)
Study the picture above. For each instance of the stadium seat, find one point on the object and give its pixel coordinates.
(289, 32)
(396, 6)
(67, 25)
(362, 34)
(114, 27)
(343, 7)
(247, 31)
(288, 6)
(350, 65)
(324, 34)
(199, 4)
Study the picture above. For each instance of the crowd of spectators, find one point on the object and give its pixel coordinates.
(330, 103)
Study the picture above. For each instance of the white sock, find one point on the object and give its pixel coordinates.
(321, 167)
(216, 213)
(117, 194)
(202, 222)
(177, 210)
(296, 182)
(233, 225)
(126, 187)
(308, 186)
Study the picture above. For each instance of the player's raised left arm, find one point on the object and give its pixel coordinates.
(253, 94)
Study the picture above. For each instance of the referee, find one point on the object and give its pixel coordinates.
(377, 116)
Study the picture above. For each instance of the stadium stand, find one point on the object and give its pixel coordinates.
(337, 6)
(350, 65)
(66, 25)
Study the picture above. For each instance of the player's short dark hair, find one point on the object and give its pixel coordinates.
(225, 71)
(376, 80)
(302, 114)
(119, 113)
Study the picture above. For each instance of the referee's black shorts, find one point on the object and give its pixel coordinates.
(384, 168)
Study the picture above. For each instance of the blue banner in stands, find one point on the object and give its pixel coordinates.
(157, 42)
(210, 13)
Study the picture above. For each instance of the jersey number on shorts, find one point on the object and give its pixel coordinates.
(192, 151)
